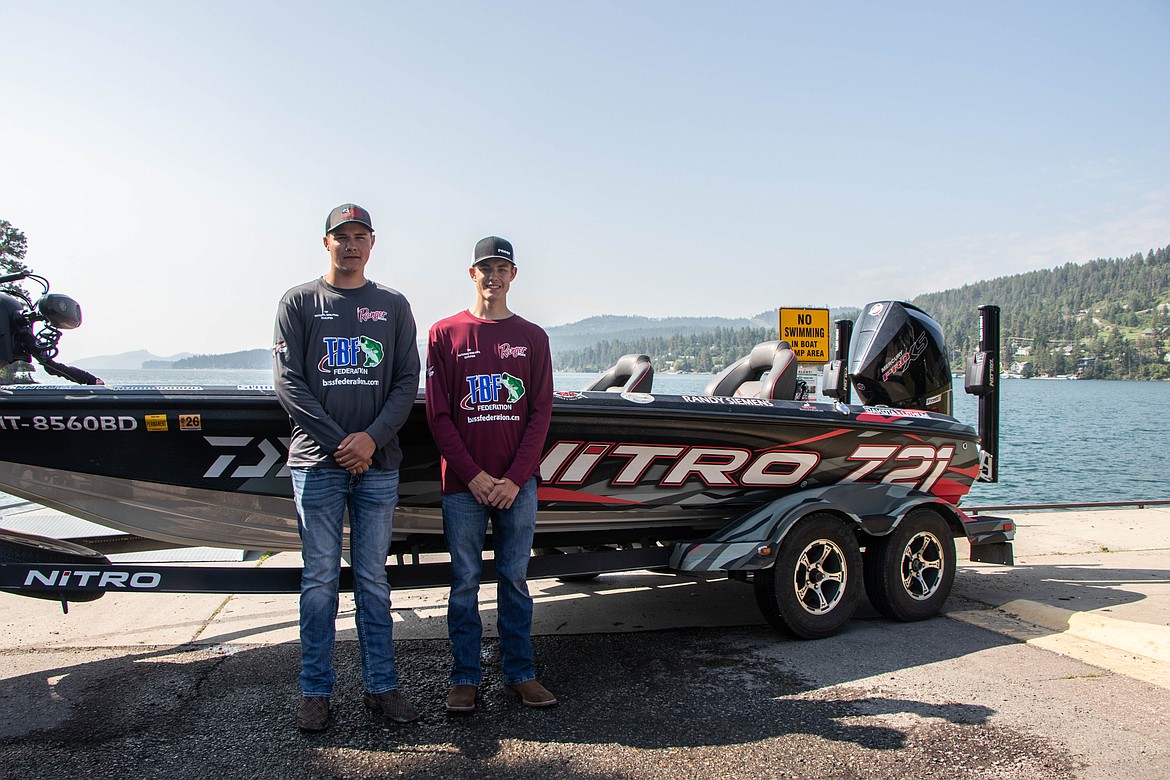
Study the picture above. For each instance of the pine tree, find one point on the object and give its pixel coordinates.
(13, 246)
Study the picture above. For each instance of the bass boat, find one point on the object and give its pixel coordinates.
(756, 477)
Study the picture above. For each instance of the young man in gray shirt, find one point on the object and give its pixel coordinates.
(346, 370)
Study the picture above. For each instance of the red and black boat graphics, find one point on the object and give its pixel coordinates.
(611, 460)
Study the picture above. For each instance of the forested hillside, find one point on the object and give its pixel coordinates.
(586, 333)
(702, 351)
(249, 358)
(1105, 319)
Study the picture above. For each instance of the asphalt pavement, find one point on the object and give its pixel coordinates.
(1057, 667)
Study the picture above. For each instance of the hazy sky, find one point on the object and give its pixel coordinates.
(172, 163)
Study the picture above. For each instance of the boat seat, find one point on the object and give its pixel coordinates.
(631, 374)
(768, 371)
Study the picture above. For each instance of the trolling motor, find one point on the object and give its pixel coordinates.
(31, 331)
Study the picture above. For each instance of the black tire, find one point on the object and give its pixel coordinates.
(815, 585)
(909, 572)
(21, 548)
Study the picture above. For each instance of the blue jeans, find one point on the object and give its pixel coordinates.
(323, 494)
(465, 525)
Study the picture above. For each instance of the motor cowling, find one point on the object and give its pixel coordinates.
(898, 358)
(60, 311)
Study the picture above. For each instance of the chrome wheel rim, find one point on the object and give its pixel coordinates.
(820, 576)
(922, 566)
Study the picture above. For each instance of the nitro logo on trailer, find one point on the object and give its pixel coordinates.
(356, 352)
(489, 390)
(93, 580)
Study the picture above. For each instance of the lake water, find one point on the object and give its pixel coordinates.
(1060, 441)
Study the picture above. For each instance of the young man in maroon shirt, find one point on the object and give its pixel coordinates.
(489, 403)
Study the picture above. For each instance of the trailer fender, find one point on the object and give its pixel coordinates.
(21, 548)
(751, 541)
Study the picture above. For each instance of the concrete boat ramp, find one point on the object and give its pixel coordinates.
(1057, 667)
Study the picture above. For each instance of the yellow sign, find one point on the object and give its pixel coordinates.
(807, 330)
(156, 422)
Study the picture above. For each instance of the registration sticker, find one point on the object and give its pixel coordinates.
(156, 422)
(190, 422)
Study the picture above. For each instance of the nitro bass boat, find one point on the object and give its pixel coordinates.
(724, 480)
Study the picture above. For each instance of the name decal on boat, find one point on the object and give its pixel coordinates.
(889, 411)
(571, 463)
(727, 399)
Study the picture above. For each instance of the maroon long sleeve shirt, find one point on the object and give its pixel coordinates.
(489, 397)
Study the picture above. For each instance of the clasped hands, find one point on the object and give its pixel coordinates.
(492, 491)
(356, 452)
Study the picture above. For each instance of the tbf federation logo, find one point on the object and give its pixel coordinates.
(359, 351)
(490, 389)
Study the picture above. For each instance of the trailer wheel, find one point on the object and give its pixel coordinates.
(909, 573)
(814, 587)
(22, 548)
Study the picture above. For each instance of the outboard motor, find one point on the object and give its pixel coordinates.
(898, 358)
(22, 339)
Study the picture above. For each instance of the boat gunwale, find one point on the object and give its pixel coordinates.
(579, 403)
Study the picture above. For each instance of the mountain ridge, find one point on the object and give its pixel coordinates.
(1108, 318)
(125, 360)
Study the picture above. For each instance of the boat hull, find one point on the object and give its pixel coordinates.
(206, 466)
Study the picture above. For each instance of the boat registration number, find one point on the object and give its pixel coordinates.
(68, 423)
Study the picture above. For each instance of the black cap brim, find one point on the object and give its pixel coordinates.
(366, 225)
(493, 257)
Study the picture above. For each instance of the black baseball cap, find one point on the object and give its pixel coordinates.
(493, 247)
(348, 212)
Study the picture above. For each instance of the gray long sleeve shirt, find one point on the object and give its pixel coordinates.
(345, 360)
